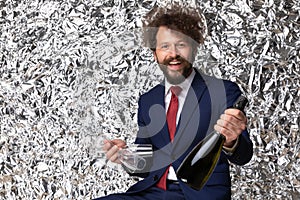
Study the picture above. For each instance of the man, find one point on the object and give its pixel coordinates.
(175, 119)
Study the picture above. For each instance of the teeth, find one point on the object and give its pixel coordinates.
(174, 62)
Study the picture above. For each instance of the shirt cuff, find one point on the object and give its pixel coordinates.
(230, 151)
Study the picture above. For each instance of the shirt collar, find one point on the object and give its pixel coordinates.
(184, 85)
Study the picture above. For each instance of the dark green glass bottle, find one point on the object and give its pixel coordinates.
(199, 164)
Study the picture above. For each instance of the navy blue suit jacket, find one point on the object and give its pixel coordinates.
(206, 100)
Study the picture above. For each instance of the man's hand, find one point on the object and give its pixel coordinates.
(231, 124)
(112, 148)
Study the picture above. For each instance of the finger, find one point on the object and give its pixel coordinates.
(232, 121)
(218, 128)
(236, 113)
(230, 127)
(223, 122)
(115, 157)
(229, 134)
(107, 145)
(120, 143)
(110, 154)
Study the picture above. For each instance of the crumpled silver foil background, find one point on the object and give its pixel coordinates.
(71, 68)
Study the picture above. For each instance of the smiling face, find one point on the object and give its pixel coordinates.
(174, 54)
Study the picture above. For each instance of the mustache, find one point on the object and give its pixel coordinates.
(177, 58)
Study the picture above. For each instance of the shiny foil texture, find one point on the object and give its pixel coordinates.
(72, 68)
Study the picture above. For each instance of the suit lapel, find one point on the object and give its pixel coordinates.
(163, 138)
(195, 92)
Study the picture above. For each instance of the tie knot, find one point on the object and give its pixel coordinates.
(175, 90)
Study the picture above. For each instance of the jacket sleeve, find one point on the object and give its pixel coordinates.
(244, 151)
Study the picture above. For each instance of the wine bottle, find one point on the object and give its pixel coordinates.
(199, 164)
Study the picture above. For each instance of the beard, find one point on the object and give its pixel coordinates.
(175, 77)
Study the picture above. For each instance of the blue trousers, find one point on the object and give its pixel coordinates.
(173, 192)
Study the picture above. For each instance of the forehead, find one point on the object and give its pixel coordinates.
(165, 34)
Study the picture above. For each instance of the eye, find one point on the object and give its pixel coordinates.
(164, 46)
(181, 45)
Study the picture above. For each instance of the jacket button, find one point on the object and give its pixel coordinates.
(155, 178)
(173, 157)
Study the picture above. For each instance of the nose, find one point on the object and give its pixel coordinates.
(173, 51)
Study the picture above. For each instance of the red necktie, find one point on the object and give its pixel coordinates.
(171, 120)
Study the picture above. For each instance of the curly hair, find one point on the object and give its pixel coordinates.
(188, 21)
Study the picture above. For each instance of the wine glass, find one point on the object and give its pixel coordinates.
(132, 156)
